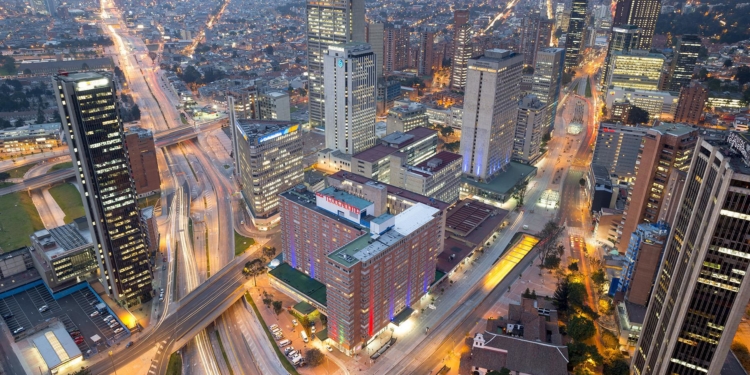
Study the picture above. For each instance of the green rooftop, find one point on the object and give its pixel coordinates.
(306, 285)
(505, 181)
(345, 254)
(345, 197)
(304, 308)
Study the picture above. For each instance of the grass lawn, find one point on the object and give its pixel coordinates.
(175, 364)
(69, 200)
(56, 167)
(147, 201)
(6, 184)
(588, 88)
(18, 219)
(20, 171)
(284, 360)
(241, 243)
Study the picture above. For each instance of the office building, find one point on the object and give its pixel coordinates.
(329, 22)
(536, 33)
(640, 13)
(142, 157)
(350, 97)
(89, 108)
(274, 105)
(726, 100)
(665, 148)
(701, 293)
(419, 144)
(246, 102)
(268, 158)
(405, 117)
(438, 177)
(600, 188)
(426, 53)
(30, 138)
(683, 62)
(691, 104)
(461, 49)
(530, 128)
(636, 69)
(389, 90)
(548, 71)
(151, 229)
(375, 38)
(574, 37)
(562, 16)
(490, 107)
(396, 49)
(65, 255)
(643, 257)
(617, 148)
(623, 39)
(661, 105)
(375, 263)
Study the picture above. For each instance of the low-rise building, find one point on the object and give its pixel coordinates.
(418, 144)
(661, 105)
(30, 138)
(64, 255)
(438, 177)
(403, 118)
(274, 105)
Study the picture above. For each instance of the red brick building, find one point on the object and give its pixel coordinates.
(142, 155)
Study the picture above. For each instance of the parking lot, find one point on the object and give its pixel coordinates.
(74, 310)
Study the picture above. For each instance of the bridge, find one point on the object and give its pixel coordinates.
(40, 181)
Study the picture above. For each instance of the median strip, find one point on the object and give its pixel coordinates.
(284, 360)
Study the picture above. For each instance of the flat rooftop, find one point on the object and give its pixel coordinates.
(392, 190)
(256, 128)
(505, 181)
(468, 215)
(57, 241)
(674, 129)
(435, 163)
(306, 198)
(313, 289)
(345, 197)
(375, 153)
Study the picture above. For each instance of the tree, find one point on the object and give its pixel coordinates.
(742, 75)
(547, 241)
(452, 146)
(581, 328)
(568, 77)
(301, 92)
(277, 307)
(638, 115)
(579, 352)
(703, 74)
(82, 371)
(314, 357)
(40, 118)
(269, 252)
(616, 367)
(528, 70)
(728, 63)
(576, 294)
(7, 66)
(253, 268)
(552, 261)
(582, 182)
(446, 131)
(573, 267)
(19, 122)
(84, 66)
(190, 75)
(4, 176)
(520, 193)
(135, 112)
(503, 371)
(599, 277)
(558, 33)
(268, 50)
(561, 295)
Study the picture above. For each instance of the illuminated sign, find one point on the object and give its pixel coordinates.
(741, 145)
(341, 63)
(339, 203)
(279, 133)
(93, 84)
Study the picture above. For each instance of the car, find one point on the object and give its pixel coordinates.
(164, 267)
(284, 343)
(292, 354)
(18, 330)
(273, 326)
(276, 330)
(78, 340)
(312, 329)
(119, 330)
(7, 316)
(43, 308)
(93, 314)
(329, 348)
(288, 349)
(108, 318)
(294, 322)
(164, 259)
(129, 344)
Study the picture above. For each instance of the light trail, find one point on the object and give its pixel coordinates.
(501, 16)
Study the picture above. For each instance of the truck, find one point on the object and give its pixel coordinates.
(304, 336)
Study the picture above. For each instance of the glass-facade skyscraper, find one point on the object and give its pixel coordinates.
(574, 38)
(94, 132)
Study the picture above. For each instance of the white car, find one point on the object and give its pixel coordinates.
(43, 308)
(329, 348)
(18, 330)
(93, 314)
(119, 330)
(312, 329)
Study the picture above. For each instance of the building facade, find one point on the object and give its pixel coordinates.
(683, 62)
(490, 107)
(643, 257)
(274, 105)
(691, 104)
(426, 58)
(142, 157)
(403, 118)
(89, 108)
(396, 49)
(617, 148)
(461, 49)
(536, 33)
(624, 39)
(329, 22)
(530, 128)
(636, 69)
(350, 97)
(661, 105)
(702, 289)
(576, 30)
(418, 144)
(375, 38)
(548, 72)
(438, 177)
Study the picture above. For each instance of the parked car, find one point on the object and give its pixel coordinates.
(18, 330)
(312, 329)
(273, 326)
(294, 322)
(292, 354)
(93, 314)
(78, 340)
(43, 308)
(129, 344)
(284, 343)
(329, 348)
(7, 316)
(288, 350)
(119, 330)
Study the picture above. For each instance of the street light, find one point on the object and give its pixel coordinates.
(113, 362)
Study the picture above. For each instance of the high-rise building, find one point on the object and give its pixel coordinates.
(274, 105)
(530, 128)
(142, 158)
(403, 118)
(268, 160)
(246, 102)
(88, 106)
(640, 13)
(461, 49)
(643, 257)
(623, 39)
(548, 71)
(375, 38)
(683, 63)
(691, 104)
(536, 33)
(637, 69)
(562, 16)
(490, 107)
(426, 55)
(701, 290)
(350, 97)
(375, 261)
(664, 149)
(617, 148)
(395, 48)
(574, 37)
(329, 22)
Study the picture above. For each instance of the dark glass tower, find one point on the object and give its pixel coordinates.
(683, 62)
(574, 38)
(89, 111)
(701, 291)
